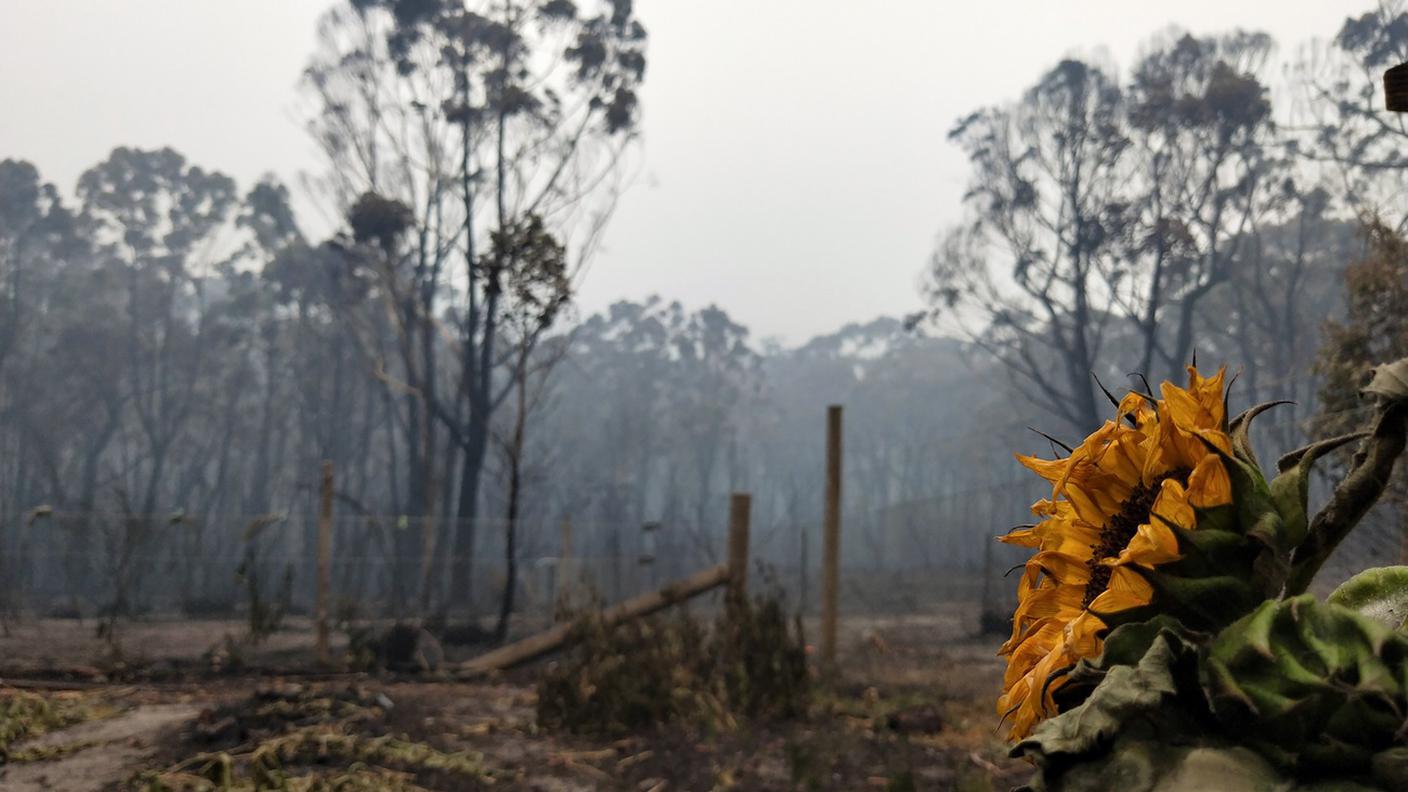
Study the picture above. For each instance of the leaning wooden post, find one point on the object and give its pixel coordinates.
(559, 635)
(739, 508)
(324, 562)
(831, 547)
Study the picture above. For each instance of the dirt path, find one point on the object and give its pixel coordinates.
(113, 748)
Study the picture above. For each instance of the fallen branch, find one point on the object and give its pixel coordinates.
(556, 637)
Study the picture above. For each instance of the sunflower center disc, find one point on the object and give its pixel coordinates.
(1121, 528)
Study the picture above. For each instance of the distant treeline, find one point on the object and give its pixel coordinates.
(172, 343)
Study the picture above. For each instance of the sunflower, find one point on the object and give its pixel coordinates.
(1112, 502)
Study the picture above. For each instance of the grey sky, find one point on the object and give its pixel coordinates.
(795, 168)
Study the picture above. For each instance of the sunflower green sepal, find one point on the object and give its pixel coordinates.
(1316, 688)
(1258, 518)
(1216, 547)
(1203, 602)
(1291, 487)
(1210, 585)
(1239, 431)
(1381, 594)
(1209, 551)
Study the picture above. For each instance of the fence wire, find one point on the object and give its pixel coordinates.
(906, 557)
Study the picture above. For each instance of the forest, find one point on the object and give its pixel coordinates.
(174, 343)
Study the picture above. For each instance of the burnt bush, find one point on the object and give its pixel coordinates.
(749, 662)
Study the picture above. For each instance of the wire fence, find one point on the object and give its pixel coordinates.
(81, 565)
(912, 556)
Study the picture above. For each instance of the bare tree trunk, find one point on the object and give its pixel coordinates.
(515, 480)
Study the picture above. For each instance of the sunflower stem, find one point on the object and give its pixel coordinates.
(1355, 495)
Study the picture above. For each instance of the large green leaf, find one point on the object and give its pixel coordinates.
(1380, 594)
(1315, 687)
(1259, 519)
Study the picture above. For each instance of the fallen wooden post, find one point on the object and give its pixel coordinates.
(555, 637)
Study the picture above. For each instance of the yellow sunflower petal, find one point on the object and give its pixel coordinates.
(1125, 461)
(1053, 601)
(1035, 644)
(1153, 544)
(1082, 635)
(1137, 405)
(1208, 484)
(1173, 506)
(1127, 589)
(1209, 392)
(1076, 539)
(1068, 569)
(1053, 470)
(1022, 537)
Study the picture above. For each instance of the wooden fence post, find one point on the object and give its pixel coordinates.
(739, 508)
(429, 528)
(324, 562)
(564, 580)
(831, 547)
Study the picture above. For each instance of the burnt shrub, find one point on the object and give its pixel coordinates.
(750, 661)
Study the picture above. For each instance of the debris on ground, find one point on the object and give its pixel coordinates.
(26, 715)
(290, 736)
(91, 742)
(401, 647)
(917, 715)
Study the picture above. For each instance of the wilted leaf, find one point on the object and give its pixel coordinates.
(1390, 381)
(1126, 692)
(1135, 733)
